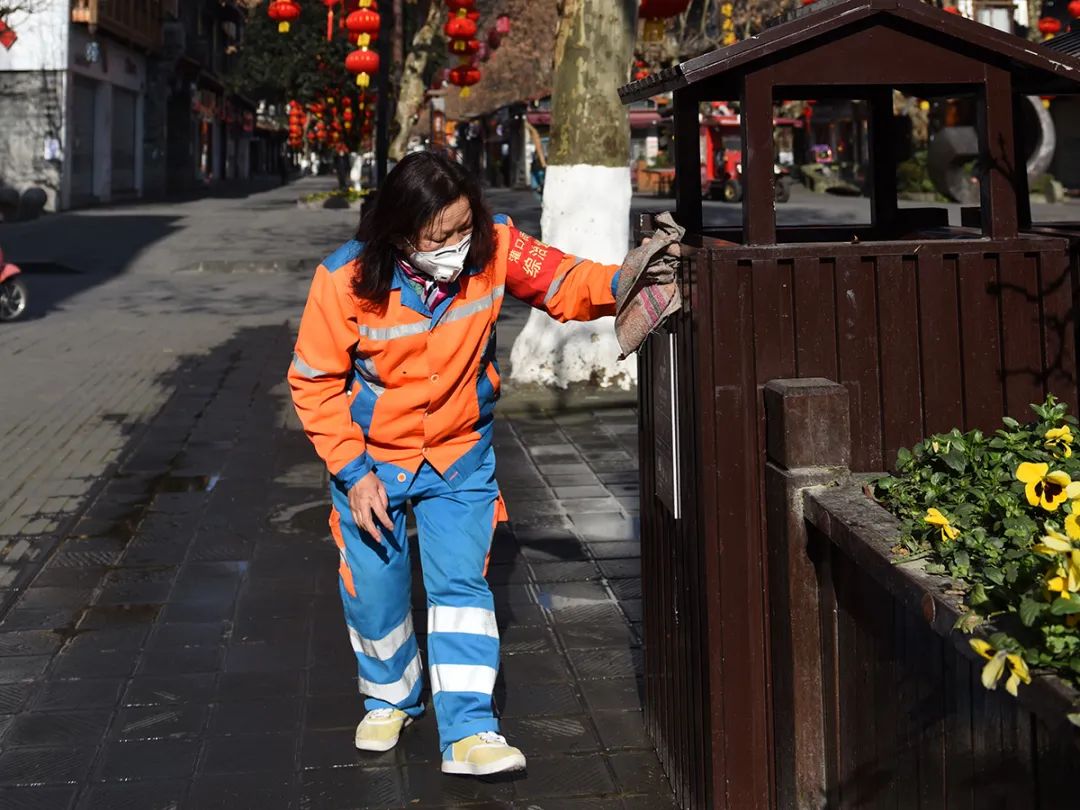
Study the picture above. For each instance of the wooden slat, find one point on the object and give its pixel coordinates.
(828, 613)
(856, 318)
(1021, 343)
(773, 321)
(898, 349)
(981, 335)
(742, 607)
(815, 318)
(855, 719)
(939, 338)
(1058, 279)
(960, 771)
(925, 651)
(695, 364)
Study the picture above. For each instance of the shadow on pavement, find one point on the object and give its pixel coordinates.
(66, 254)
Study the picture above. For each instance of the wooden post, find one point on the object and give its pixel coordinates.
(883, 206)
(808, 443)
(998, 156)
(759, 198)
(1023, 193)
(687, 162)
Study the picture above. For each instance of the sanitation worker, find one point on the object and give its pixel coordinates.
(395, 381)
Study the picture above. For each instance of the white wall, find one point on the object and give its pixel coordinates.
(43, 38)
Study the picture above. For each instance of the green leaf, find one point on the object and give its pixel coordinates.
(967, 622)
(1008, 421)
(1074, 718)
(1065, 607)
(961, 558)
(994, 574)
(977, 595)
(956, 460)
(1030, 610)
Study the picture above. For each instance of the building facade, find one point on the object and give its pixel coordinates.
(124, 99)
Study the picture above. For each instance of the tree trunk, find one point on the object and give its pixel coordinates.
(411, 90)
(586, 188)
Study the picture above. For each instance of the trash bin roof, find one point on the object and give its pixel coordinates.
(1035, 68)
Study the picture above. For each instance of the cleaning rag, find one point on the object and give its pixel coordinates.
(647, 293)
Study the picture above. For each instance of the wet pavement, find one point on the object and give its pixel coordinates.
(179, 641)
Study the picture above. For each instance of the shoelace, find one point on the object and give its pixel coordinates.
(491, 738)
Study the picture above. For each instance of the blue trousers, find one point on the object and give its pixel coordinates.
(455, 528)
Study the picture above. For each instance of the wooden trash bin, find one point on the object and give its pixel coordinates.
(927, 327)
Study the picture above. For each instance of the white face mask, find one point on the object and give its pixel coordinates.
(445, 264)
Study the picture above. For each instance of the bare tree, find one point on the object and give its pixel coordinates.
(426, 43)
(586, 188)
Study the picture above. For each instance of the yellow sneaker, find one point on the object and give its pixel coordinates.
(380, 728)
(482, 754)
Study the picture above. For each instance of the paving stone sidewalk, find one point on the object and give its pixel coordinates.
(183, 645)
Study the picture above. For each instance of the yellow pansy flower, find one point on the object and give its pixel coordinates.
(1064, 579)
(935, 518)
(1054, 542)
(1059, 440)
(1044, 488)
(995, 666)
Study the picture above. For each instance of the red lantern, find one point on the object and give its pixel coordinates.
(502, 24)
(662, 8)
(1049, 25)
(460, 28)
(654, 12)
(363, 23)
(951, 10)
(1074, 9)
(283, 12)
(464, 76)
(363, 63)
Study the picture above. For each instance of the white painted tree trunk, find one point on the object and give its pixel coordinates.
(587, 191)
(587, 213)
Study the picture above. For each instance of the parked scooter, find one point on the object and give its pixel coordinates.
(14, 297)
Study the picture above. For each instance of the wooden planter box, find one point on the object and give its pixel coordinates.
(907, 721)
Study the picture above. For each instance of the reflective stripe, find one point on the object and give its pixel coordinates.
(462, 678)
(391, 332)
(385, 647)
(558, 282)
(479, 305)
(308, 371)
(365, 369)
(397, 691)
(478, 621)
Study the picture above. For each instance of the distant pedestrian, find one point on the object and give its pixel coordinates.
(395, 381)
(284, 164)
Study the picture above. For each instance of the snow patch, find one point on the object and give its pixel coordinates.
(587, 213)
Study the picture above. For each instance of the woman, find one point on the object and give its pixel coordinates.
(395, 381)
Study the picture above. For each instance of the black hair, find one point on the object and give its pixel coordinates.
(414, 192)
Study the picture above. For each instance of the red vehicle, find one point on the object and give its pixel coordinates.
(721, 135)
(13, 295)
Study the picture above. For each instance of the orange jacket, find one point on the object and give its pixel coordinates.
(401, 385)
